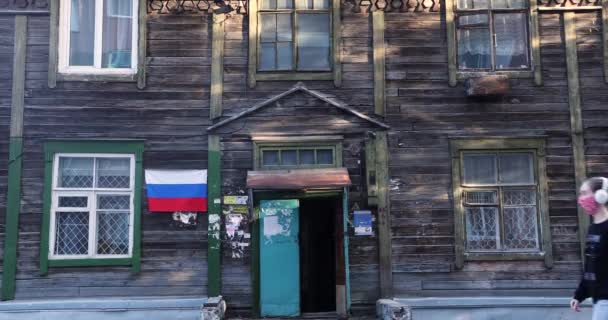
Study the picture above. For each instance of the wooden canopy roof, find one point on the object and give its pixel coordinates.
(298, 179)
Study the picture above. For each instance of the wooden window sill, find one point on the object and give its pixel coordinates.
(293, 76)
(515, 74)
(503, 256)
(91, 262)
(97, 77)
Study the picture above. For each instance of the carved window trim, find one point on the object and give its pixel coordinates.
(255, 75)
(497, 145)
(535, 70)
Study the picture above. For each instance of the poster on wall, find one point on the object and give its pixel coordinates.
(363, 223)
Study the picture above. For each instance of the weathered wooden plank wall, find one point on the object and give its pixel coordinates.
(425, 112)
(170, 114)
(7, 40)
(309, 117)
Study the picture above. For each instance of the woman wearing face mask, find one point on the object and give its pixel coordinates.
(594, 284)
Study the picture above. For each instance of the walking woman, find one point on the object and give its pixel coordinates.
(594, 284)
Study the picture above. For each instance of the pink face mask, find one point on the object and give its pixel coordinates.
(589, 205)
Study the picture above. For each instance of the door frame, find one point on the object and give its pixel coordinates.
(255, 196)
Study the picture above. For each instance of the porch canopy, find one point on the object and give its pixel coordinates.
(298, 179)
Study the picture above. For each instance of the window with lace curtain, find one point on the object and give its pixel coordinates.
(500, 200)
(492, 35)
(92, 206)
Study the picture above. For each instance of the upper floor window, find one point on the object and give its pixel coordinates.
(98, 36)
(294, 35)
(492, 35)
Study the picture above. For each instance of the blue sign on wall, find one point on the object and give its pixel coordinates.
(363, 223)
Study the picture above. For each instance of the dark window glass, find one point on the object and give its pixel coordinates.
(289, 157)
(270, 158)
(325, 156)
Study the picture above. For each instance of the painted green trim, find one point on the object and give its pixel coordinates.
(294, 76)
(13, 205)
(91, 262)
(13, 197)
(535, 43)
(346, 259)
(51, 147)
(75, 77)
(214, 185)
(384, 217)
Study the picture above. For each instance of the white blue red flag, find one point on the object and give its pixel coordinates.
(176, 190)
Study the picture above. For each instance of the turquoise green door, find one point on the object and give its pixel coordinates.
(279, 258)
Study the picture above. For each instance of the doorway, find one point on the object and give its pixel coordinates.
(319, 284)
(318, 254)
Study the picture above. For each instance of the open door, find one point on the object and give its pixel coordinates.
(279, 258)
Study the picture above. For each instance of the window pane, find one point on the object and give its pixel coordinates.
(519, 197)
(117, 34)
(267, 56)
(307, 157)
(480, 197)
(82, 32)
(71, 233)
(113, 173)
(73, 202)
(284, 4)
(284, 27)
(313, 41)
(269, 4)
(113, 202)
(472, 19)
(304, 4)
(321, 4)
(521, 230)
(270, 158)
(479, 169)
(509, 4)
(473, 4)
(289, 157)
(481, 228)
(511, 41)
(75, 172)
(325, 156)
(516, 168)
(474, 48)
(113, 232)
(269, 23)
(285, 56)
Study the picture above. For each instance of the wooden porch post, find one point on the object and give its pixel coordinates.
(384, 223)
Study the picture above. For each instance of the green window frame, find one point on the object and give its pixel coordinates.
(132, 149)
(334, 72)
(298, 148)
(489, 198)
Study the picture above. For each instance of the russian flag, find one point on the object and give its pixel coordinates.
(176, 190)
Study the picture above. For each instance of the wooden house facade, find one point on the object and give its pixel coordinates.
(463, 127)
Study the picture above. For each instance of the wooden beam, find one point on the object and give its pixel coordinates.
(214, 271)
(53, 43)
(535, 43)
(13, 202)
(253, 43)
(142, 43)
(379, 61)
(217, 66)
(605, 37)
(451, 37)
(336, 43)
(576, 119)
(384, 222)
(569, 9)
